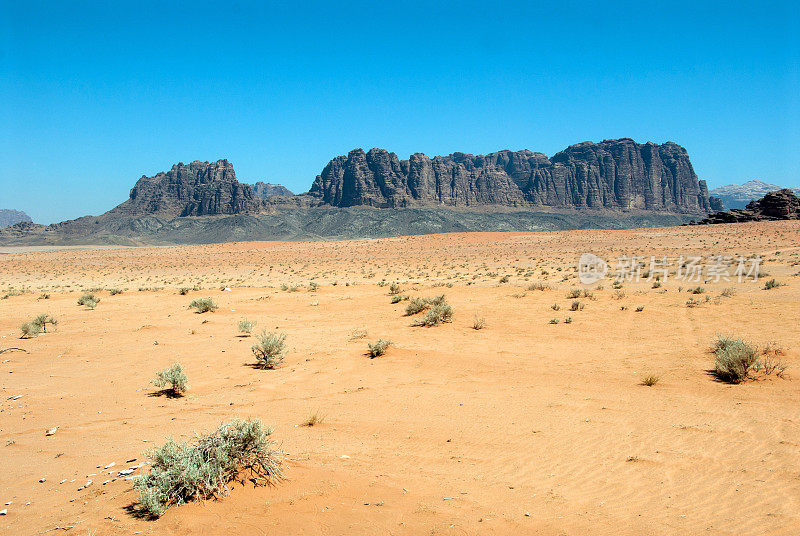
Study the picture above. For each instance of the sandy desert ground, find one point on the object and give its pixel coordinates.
(523, 427)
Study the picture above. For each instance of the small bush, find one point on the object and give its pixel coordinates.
(42, 320)
(568, 320)
(574, 293)
(397, 299)
(394, 288)
(417, 305)
(619, 294)
(379, 348)
(114, 291)
(697, 290)
(270, 349)
(554, 320)
(657, 284)
(183, 291)
(691, 302)
(650, 380)
(555, 307)
(772, 284)
(478, 323)
(246, 326)
(733, 359)
(89, 300)
(30, 330)
(204, 305)
(314, 419)
(358, 334)
(182, 471)
(576, 306)
(44, 296)
(728, 292)
(538, 285)
(172, 379)
(437, 314)
(640, 308)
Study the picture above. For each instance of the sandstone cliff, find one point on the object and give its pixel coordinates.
(613, 174)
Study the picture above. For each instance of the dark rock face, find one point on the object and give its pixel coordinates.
(780, 205)
(196, 189)
(613, 174)
(716, 203)
(264, 190)
(10, 217)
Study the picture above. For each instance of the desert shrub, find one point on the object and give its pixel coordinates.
(204, 305)
(574, 293)
(397, 299)
(246, 326)
(554, 320)
(478, 323)
(313, 286)
(183, 291)
(657, 284)
(505, 279)
(314, 419)
(114, 291)
(697, 290)
(568, 320)
(417, 305)
(772, 284)
(270, 349)
(394, 288)
(358, 334)
(619, 294)
(89, 300)
(728, 292)
(538, 285)
(437, 314)
(182, 471)
(172, 379)
(640, 308)
(691, 302)
(650, 380)
(30, 330)
(576, 306)
(44, 296)
(733, 359)
(555, 307)
(42, 320)
(379, 348)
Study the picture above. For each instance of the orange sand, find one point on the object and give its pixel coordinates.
(523, 427)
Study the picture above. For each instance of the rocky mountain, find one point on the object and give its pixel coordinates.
(739, 195)
(264, 190)
(780, 205)
(10, 217)
(613, 174)
(195, 189)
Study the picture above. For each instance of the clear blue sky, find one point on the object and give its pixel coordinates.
(95, 94)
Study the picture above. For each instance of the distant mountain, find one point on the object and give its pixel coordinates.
(739, 195)
(10, 217)
(612, 175)
(780, 205)
(611, 184)
(267, 189)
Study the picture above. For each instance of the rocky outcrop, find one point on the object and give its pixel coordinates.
(780, 205)
(195, 189)
(10, 217)
(613, 174)
(739, 195)
(263, 190)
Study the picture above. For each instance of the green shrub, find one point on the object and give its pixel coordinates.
(437, 314)
(538, 285)
(574, 293)
(394, 288)
(172, 379)
(379, 348)
(397, 299)
(89, 300)
(555, 307)
(733, 359)
(246, 326)
(478, 323)
(42, 320)
(182, 471)
(30, 330)
(554, 320)
(114, 291)
(183, 291)
(640, 308)
(270, 349)
(568, 320)
(417, 305)
(650, 380)
(697, 290)
(772, 284)
(203, 305)
(576, 306)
